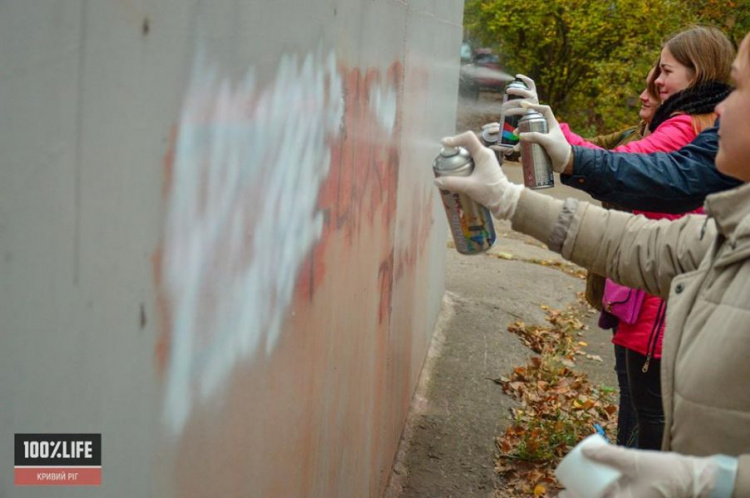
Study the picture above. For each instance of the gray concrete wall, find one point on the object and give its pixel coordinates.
(219, 243)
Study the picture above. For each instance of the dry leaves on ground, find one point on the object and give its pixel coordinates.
(559, 406)
(563, 266)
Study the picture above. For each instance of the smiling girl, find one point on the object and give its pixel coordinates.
(690, 78)
(701, 263)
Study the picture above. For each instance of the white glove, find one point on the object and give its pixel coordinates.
(513, 107)
(491, 137)
(487, 184)
(554, 142)
(491, 128)
(656, 474)
(494, 129)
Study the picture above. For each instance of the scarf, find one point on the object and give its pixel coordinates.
(700, 99)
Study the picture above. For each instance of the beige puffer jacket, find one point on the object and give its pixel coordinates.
(705, 273)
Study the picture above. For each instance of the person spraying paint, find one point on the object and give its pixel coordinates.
(470, 223)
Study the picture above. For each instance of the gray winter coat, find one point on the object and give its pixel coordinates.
(702, 264)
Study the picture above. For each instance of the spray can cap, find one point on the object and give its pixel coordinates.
(517, 83)
(452, 159)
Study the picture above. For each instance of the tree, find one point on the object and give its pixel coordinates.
(731, 16)
(590, 57)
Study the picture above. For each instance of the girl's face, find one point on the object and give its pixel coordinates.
(648, 103)
(733, 158)
(674, 76)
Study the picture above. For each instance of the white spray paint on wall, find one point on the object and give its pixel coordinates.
(384, 104)
(242, 215)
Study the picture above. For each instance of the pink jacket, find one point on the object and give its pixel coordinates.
(672, 134)
(645, 335)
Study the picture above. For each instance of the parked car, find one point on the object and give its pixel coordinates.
(468, 87)
(489, 76)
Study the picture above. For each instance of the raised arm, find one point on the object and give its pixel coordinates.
(670, 136)
(629, 249)
(672, 182)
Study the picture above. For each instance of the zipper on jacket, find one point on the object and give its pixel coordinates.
(703, 228)
(654, 336)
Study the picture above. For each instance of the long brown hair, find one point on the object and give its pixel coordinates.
(709, 54)
(706, 51)
(653, 74)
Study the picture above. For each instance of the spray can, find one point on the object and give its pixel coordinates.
(470, 222)
(509, 123)
(536, 164)
(489, 138)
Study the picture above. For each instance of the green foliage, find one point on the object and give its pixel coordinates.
(590, 57)
(732, 16)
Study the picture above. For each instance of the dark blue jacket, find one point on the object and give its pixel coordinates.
(665, 182)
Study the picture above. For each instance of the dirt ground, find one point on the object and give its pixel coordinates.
(448, 446)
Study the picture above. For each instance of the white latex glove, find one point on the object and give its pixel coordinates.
(491, 128)
(487, 184)
(494, 129)
(554, 142)
(513, 107)
(657, 474)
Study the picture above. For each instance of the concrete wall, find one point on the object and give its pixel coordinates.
(219, 243)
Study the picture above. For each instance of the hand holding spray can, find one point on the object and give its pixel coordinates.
(508, 124)
(489, 138)
(470, 222)
(490, 134)
(536, 163)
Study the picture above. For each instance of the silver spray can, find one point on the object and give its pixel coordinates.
(537, 166)
(470, 222)
(490, 137)
(508, 124)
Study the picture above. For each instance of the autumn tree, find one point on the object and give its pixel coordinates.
(731, 16)
(590, 57)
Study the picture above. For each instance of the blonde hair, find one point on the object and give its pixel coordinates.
(701, 122)
(706, 51)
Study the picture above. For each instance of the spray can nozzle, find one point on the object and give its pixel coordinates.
(447, 151)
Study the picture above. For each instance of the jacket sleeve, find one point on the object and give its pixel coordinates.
(742, 481)
(613, 140)
(673, 182)
(630, 249)
(574, 139)
(671, 135)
